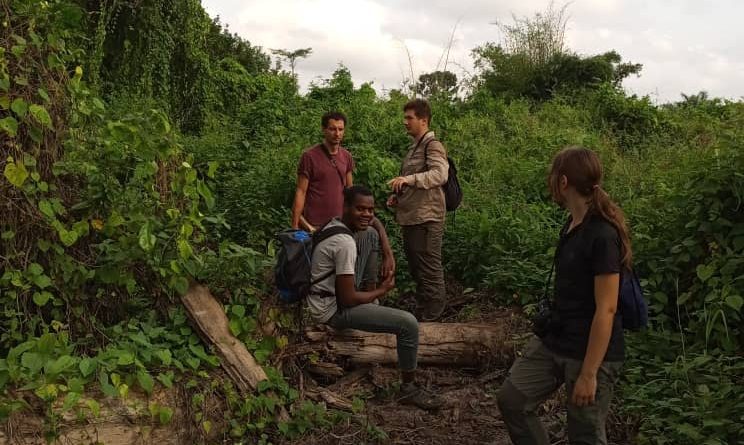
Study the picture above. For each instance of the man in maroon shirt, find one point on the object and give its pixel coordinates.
(324, 171)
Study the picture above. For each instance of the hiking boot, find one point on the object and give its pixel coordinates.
(414, 394)
(432, 311)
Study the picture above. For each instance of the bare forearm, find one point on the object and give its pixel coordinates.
(362, 297)
(384, 240)
(599, 339)
(297, 207)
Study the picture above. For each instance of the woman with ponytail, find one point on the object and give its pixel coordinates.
(583, 347)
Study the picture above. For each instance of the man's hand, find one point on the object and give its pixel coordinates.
(392, 201)
(585, 389)
(388, 283)
(388, 265)
(398, 183)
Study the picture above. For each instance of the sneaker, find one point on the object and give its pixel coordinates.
(413, 394)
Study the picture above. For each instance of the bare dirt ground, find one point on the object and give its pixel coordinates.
(470, 415)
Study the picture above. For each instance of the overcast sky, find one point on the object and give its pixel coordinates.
(684, 45)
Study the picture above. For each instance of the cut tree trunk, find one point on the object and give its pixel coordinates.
(457, 344)
(212, 324)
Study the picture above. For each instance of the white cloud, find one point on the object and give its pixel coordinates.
(684, 45)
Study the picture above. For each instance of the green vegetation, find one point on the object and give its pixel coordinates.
(145, 146)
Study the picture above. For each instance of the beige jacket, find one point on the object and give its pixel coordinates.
(424, 200)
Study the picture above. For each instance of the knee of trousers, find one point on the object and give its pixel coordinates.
(510, 399)
(409, 325)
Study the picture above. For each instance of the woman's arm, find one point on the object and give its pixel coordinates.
(606, 290)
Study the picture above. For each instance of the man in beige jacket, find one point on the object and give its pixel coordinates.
(420, 209)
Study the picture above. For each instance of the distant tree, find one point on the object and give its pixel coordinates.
(222, 43)
(532, 61)
(441, 84)
(537, 38)
(292, 56)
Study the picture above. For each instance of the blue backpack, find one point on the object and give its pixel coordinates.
(632, 306)
(294, 261)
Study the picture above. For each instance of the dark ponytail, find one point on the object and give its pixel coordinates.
(601, 204)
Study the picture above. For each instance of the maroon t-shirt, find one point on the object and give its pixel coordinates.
(325, 193)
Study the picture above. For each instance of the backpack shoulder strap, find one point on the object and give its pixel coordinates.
(328, 232)
(426, 152)
(323, 235)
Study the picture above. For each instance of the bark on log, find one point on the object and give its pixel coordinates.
(211, 322)
(459, 344)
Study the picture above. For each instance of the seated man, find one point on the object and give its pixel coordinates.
(346, 301)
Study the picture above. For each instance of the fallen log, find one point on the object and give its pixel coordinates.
(457, 344)
(211, 322)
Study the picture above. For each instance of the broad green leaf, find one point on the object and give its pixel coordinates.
(145, 381)
(184, 249)
(165, 415)
(164, 356)
(10, 125)
(68, 237)
(87, 366)
(71, 400)
(43, 94)
(125, 358)
(41, 298)
(58, 366)
(705, 271)
(205, 193)
(107, 388)
(33, 361)
(4, 102)
(165, 379)
(46, 208)
(7, 235)
(115, 219)
(42, 281)
(94, 407)
(213, 166)
(4, 83)
(735, 302)
(16, 173)
(81, 228)
(35, 269)
(146, 237)
(261, 355)
(41, 115)
(19, 107)
(36, 134)
(181, 285)
(235, 327)
(238, 310)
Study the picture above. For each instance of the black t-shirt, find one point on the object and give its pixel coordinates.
(591, 248)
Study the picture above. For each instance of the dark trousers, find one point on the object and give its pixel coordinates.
(423, 246)
(539, 373)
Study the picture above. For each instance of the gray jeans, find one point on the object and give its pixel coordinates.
(539, 373)
(373, 317)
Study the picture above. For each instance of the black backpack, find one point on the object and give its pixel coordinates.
(631, 303)
(294, 261)
(452, 190)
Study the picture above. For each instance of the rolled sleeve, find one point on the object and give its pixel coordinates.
(305, 167)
